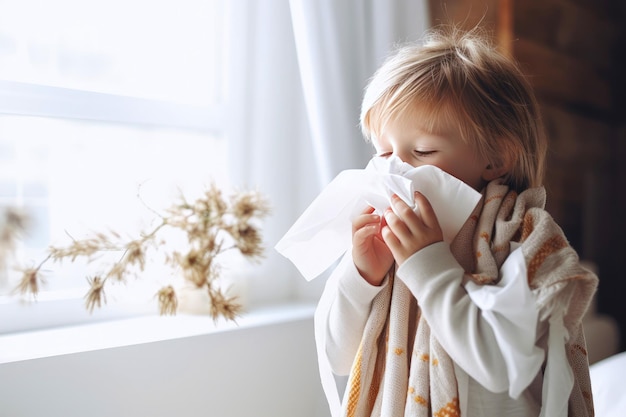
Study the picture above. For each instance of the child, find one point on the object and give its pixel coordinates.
(490, 323)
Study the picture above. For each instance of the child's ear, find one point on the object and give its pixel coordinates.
(496, 169)
(491, 172)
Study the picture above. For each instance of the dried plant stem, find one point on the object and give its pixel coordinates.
(212, 224)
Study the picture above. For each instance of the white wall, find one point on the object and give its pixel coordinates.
(267, 370)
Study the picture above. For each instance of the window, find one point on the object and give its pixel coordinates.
(100, 102)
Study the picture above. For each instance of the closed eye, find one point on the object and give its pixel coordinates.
(424, 153)
(384, 154)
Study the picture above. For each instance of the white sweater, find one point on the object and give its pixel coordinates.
(491, 332)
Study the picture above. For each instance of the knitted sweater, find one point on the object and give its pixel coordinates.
(403, 368)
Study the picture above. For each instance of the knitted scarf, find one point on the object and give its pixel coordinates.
(387, 382)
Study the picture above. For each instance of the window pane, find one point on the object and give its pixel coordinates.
(163, 50)
(74, 178)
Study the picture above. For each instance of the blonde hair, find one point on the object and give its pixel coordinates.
(459, 76)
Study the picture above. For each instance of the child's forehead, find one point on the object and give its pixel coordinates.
(428, 117)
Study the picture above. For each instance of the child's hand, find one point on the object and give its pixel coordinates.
(370, 254)
(409, 231)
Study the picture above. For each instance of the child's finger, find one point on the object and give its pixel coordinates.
(361, 236)
(390, 239)
(426, 211)
(363, 220)
(397, 225)
(405, 213)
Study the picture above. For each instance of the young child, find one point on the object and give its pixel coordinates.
(489, 324)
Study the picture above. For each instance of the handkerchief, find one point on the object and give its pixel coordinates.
(324, 230)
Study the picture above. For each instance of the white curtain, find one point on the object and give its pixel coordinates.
(339, 45)
(298, 70)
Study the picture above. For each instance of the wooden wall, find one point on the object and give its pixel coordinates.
(573, 53)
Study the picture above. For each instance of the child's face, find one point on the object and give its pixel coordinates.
(404, 138)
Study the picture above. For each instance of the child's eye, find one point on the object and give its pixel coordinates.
(424, 153)
(384, 154)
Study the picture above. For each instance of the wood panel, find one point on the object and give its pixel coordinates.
(466, 14)
(562, 79)
(569, 29)
(494, 15)
(577, 138)
(609, 9)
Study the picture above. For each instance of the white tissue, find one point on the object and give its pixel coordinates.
(323, 232)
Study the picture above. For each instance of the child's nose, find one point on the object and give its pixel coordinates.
(403, 155)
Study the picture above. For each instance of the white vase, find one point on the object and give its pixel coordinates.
(195, 300)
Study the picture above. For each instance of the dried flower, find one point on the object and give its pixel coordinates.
(224, 306)
(13, 224)
(248, 240)
(135, 254)
(197, 266)
(95, 296)
(216, 200)
(29, 283)
(15, 218)
(168, 302)
(249, 204)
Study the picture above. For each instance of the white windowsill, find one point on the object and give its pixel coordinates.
(138, 330)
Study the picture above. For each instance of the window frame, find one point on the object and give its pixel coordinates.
(56, 102)
(57, 308)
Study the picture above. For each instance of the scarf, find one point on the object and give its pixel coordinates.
(423, 382)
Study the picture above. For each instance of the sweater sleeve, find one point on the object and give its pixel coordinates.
(490, 331)
(350, 298)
